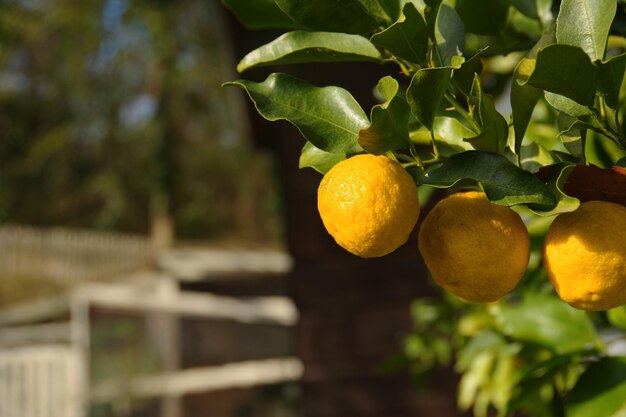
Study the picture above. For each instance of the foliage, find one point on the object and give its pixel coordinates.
(103, 127)
(441, 116)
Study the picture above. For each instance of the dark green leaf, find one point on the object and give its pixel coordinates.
(407, 38)
(495, 130)
(426, 91)
(260, 14)
(557, 175)
(565, 70)
(527, 7)
(600, 391)
(389, 129)
(611, 77)
(524, 97)
(449, 35)
(586, 24)
(347, 16)
(572, 134)
(503, 182)
(547, 321)
(464, 75)
(319, 160)
(300, 47)
(328, 117)
(387, 10)
(483, 17)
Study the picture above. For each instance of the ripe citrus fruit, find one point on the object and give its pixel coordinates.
(369, 204)
(473, 248)
(584, 255)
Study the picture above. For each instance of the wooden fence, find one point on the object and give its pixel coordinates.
(67, 257)
(41, 381)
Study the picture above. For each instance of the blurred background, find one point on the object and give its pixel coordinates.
(142, 258)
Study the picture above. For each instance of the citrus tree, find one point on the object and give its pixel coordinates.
(516, 107)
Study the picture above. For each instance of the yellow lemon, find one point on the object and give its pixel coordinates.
(473, 248)
(584, 255)
(369, 204)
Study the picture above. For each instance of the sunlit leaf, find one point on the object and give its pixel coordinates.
(301, 46)
(319, 160)
(586, 24)
(328, 117)
(503, 182)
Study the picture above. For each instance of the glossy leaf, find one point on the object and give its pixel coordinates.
(545, 320)
(301, 46)
(566, 105)
(565, 70)
(503, 182)
(611, 77)
(387, 10)
(524, 97)
(586, 24)
(426, 91)
(347, 16)
(495, 131)
(464, 75)
(452, 132)
(319, 160)
(260, 14)
(572, 134)
(389, 129)
(407, 38)
(328, 117)
(556, 177)
(449, 35)
(600, 391)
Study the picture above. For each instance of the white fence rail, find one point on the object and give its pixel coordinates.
(66, 257)
(41, 381)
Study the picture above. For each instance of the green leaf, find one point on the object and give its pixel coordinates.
(464, 75)
(328, 117)
(260, 14)
(566, 105)
(452, 132)
(527, 7)
(347, 16)
(389, 129)
(611, 77)
(557, 175)
(503, 182)
(572, 134)
(545, 320)
(407, 38)
(600, 391)
(387, 10)
(301, 46)
(319, 160)
(565, 70)
(495, 130)
(483, 17)
(524, 97)
(617, 317)
(586, 24)
(426, 91)
(449, 35)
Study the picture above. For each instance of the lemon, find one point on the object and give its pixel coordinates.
(369, 204)
(584, 255)
(473, 248)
